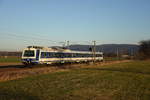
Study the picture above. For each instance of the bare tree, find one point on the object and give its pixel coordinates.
(144, 50)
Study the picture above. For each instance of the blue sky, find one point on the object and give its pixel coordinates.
(50, 22)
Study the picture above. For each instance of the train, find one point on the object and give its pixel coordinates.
(51, 55)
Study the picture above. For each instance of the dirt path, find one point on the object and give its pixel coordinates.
(8, 64)
(13, 71)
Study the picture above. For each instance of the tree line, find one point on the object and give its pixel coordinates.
(144, 50)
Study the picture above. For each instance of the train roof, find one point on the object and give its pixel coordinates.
(59, 49)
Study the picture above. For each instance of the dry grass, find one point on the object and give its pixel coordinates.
(15, 74)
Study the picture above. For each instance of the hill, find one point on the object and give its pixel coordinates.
(108, 48)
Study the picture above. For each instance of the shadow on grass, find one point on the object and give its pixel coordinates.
(61, 66)
(12, 66)
(17, 95)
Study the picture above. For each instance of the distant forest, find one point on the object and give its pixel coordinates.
(5, 53)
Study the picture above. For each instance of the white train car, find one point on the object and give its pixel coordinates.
(42, 55)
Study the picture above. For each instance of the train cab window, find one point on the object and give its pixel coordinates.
(98, 55)
(29, 53)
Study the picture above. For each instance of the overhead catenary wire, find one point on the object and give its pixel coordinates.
(32, 37)
(40, 39)
(37, 39)
(27, 41)
(45, 38)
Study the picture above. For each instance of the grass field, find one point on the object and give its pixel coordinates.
(10, 59)
(124, 81)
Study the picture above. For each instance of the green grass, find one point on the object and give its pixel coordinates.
(10, 59)
(125, 81)
(113, 58)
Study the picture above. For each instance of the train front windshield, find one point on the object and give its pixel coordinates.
(29, 53)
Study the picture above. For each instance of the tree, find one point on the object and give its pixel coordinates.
(144, 50)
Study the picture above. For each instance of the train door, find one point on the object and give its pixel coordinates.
(37, 54)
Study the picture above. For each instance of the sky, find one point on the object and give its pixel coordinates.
(52, 22)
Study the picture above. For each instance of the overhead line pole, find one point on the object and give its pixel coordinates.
(117, 53)
(67, 44)
(94, 51)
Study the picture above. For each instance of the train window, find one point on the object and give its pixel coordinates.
(61, 55)
(82, 55)
(42, 54)
(56, 55)
(87, 55)
(70, 55)
(97, 55)
(49, 55)
(52, 55)
(65, 55)
(90, 55)
(74, 55)
(101, 55)
(77, 55)
(46, 54)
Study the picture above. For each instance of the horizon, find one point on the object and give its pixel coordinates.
(53, 22)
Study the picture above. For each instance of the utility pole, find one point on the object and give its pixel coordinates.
(132, 53)
(67, 44)
(94, 51)
(117, 53)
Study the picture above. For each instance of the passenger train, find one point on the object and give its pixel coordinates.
(45, 55)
